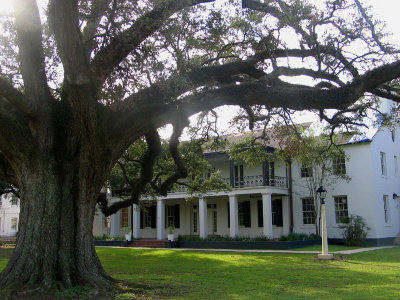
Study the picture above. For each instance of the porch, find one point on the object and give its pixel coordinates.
(248, 212)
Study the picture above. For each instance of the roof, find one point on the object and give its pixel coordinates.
(347, 138)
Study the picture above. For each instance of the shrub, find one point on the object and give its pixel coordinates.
(354, 230)
(192, 238)
(296, 236)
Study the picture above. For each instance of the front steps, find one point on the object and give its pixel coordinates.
(150, 243)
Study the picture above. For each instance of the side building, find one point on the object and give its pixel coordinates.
(9, 215)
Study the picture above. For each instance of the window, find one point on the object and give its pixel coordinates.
(244, 214)
(14, 224)
(383, 163)
(305, 171)
(170, 216)
(208, 172)
(107, 222)
(276, 208)
(386, 208)
(146, 219)
(173, 216)
(14, 200)
(308, 211)
(124, 217)
(341, 209)
(396, 166)
(214, 216)
(339, 165)
(239, 180)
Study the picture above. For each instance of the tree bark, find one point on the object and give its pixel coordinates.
(59, 186)
(55, 240)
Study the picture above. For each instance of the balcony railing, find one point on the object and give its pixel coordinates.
(245, 182)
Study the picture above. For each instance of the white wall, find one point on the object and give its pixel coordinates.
(7, 213)
(359, 191)
(386, 184)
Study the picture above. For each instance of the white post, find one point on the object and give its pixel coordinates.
(160, 219)
(325, 253)
(233, 216)
(203, 217)
(267, 215)
(136, 221)
(115, 224)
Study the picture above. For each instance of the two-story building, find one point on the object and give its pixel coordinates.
(263, 200)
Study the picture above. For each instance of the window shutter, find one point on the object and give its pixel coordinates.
(247, 216)
(141, 219)
(231, 172)
(153, 216)
(279, 216)
(229, 216)
(177, 219)
(166, 216)
(260, 213)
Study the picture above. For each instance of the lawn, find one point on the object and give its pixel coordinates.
(172, 274)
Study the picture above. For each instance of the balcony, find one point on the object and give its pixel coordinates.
(246, 182)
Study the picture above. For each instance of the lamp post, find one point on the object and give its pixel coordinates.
(321, 192)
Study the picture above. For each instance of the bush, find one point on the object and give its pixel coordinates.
(295, 236)
(217, 238)
(354, 230)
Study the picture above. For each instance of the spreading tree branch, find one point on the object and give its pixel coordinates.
(108, 58)
(146, 175)
(371, 25)
(181, 171)
(16, 98)
(98, 10)
(64, 21)
(31, 57)
(7, 173)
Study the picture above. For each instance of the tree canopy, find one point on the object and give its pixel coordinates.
(80, 81)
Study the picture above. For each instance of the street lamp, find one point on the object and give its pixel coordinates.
(321, 192)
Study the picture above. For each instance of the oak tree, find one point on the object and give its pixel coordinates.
(80, 81)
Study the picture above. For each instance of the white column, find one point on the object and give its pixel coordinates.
(203, 224)
(233, 216)
(267, 215)
(285, 214)
(325, 253)
(160, 219)
(136, 221)
(115, 224)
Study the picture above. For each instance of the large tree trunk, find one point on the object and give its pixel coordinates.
(59, 186)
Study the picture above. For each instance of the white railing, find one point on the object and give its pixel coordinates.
(245, 181)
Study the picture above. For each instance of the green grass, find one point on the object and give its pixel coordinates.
(169, 274)
(208, 275)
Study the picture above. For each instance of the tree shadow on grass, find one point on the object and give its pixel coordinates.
(221, 275)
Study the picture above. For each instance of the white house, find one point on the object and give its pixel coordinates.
(9, 215)
(262, 203)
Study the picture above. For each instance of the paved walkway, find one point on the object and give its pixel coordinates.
(268, 251)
